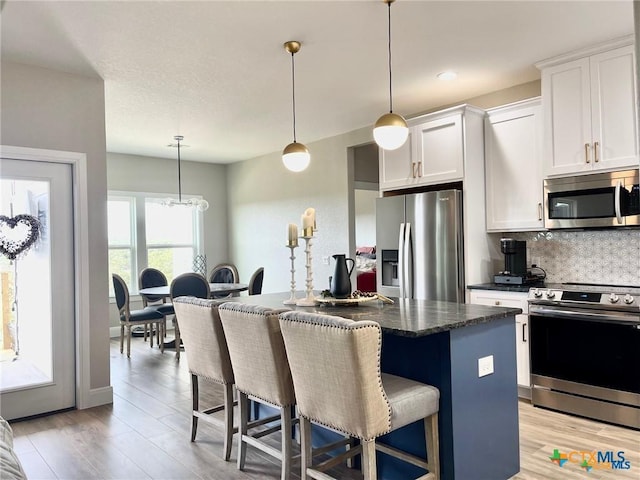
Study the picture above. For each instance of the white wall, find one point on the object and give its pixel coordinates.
(53, 110)
(264, 198)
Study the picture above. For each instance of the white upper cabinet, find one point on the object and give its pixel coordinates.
(589, 104)
(396, 169)
(513, 167)
(434, 152)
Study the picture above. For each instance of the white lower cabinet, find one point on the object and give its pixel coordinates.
(498, 298)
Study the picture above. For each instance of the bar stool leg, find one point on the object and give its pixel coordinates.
(285, 432)
(195, 404)
(228, 420)
(369, 459)
(243, 411)
(433, 446)
(306, 456)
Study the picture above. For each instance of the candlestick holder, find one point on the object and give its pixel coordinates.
(292, 299)
(309, 300)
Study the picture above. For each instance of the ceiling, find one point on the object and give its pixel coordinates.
(216, 71)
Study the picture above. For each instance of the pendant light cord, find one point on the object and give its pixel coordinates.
(389, 50)
(293, 83)
(179, 179)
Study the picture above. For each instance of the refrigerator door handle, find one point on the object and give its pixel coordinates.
(406, 266)
(401, 260)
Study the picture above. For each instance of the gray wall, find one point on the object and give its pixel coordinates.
(264, 198)
(53, 110)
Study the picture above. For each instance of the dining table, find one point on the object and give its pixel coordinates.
(217, 289)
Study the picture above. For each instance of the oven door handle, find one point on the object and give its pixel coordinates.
(578, 314)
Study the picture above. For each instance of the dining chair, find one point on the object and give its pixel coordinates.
(187, 284)
(335, 366)
(152, 277)
(262, 374)
(208, 357)
(255, 282)
(224, 273)
(147, 316)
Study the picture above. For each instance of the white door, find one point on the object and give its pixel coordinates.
(37, 362)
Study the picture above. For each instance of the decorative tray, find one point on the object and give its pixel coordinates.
(351, 301)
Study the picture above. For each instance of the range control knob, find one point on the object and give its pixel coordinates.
(613, 298)
(628, 299)
(537, 293)
(551, 294)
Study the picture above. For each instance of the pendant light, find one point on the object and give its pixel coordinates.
(295, 156)
(200, 203)
(390, 131)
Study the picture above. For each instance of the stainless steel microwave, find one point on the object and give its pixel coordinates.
(600, 200)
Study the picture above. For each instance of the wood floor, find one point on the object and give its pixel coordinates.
(145, 434)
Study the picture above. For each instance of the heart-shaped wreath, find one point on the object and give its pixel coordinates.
(18, 234)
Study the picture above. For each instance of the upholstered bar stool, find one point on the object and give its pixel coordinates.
(208, 358)
(335, 364)
(262, 374)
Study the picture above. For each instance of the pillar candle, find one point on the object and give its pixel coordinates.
(307, 225)
(307, 221)
(312, 213)
(293, 235)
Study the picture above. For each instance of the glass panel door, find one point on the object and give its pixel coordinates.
(37, 347)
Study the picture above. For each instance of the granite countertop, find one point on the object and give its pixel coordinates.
(406, 317)
(505, 287)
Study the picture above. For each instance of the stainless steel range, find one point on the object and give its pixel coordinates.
(585, 350)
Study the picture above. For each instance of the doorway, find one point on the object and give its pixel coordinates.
(364, 192)
(37, 342)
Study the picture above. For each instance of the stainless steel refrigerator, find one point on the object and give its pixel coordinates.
(419, 246)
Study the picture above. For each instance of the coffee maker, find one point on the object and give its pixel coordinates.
(515, 263)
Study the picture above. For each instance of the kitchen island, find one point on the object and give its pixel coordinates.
(440, 343)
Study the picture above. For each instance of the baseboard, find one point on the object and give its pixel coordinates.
(100, 396)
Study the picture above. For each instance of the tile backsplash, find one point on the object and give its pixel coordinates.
(589, 256)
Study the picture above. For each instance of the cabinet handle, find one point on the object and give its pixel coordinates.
(497, 302)
(413, 169)
(420, 169)
(586, 153)
(524, 330)
(595, 151)
(540, 212)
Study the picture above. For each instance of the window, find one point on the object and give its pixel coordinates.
(121, 212)
(145, 233)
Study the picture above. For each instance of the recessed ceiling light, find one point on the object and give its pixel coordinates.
(448, 75)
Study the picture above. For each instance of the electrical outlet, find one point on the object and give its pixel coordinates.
(535, 261)
(485, 366)
(325, 259)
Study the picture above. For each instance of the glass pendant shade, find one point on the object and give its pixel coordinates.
(296, 157)
(390, 131)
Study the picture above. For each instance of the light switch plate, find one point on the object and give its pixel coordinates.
(485, 366)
